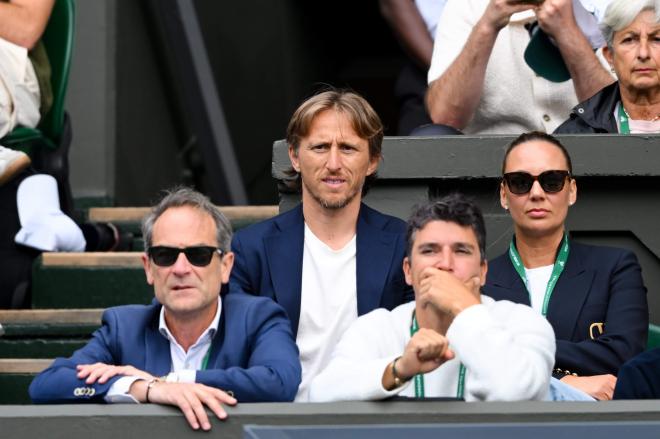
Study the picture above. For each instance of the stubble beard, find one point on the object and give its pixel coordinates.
(332, 205)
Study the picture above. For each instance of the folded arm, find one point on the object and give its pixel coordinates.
(22, 22)
(508, 350)
(62, 381)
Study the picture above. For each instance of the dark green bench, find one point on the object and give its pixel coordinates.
(16, 376)
(46, 333)
(89, 280)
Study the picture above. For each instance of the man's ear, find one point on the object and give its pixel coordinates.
(146, 263)
(293, 156)
(227, 263)
(406, 270)
(484, 272)
(373, 164)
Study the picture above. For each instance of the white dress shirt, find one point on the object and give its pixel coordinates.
(184, 364)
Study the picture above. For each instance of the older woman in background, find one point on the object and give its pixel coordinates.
(593, 297)
(631, 105)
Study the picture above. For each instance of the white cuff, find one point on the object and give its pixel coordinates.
(187, 375)
(118, 392)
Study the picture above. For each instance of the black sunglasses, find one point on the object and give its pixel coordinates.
(520, 183)
(199, 256)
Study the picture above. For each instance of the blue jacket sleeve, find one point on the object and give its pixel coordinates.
(273, 372)
(625, 326)
(59, 382)
(639, 378)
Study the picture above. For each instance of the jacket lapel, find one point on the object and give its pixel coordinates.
(158, 360)
(569, 295)
(375, 250)
(284, 251)
(506, 280)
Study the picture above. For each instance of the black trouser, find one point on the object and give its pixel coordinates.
(15, 260)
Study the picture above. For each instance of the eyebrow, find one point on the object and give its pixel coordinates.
(454, 246)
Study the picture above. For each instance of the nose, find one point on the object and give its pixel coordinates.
(643, 52)
(445, 261)
(181, 266)
(536, 191)
(334, 159)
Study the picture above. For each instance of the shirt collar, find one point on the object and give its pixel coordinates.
(209, 332)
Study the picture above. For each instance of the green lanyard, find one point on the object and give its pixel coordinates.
(624, 125)
(419, 378)
(205, 361)
(562, 257)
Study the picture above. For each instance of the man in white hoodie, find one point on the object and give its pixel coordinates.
(451, 341)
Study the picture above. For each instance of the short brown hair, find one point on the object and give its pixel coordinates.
(361, 115)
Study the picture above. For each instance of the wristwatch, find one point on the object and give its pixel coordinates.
(398, 381)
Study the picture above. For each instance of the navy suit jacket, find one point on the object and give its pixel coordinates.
(639, 378)
(598, 285)
(269, 258)
(253, 353)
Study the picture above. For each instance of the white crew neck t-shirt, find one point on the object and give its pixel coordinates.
(328, 304)
(537, 282)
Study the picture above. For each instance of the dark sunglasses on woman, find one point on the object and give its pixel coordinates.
(520, 183)
(199, 256)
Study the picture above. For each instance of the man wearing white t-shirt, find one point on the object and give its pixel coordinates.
(451, 341)
(332, 258)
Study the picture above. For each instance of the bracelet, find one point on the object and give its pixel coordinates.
(150, 384)
(398, 381)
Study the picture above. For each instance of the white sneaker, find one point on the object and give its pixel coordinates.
(11, 163)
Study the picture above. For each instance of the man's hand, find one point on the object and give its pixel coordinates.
(600, 387)
(425, 352)
(499, 12)
(556, 17)
(191, 398)
(101, 372)
(446, 293)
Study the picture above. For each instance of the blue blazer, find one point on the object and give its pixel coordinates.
(269, 258)
(253, 353)
(639, 378)
(598, 285)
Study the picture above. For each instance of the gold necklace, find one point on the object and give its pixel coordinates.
(655, 119)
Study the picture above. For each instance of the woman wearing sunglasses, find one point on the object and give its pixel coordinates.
(593, 297)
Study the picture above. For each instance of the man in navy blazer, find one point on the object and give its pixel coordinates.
(331, 258)
(191, 347)
(639, 378)
(598, 308)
